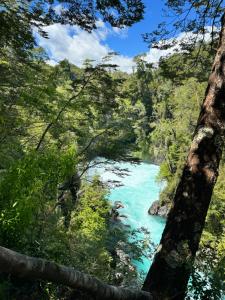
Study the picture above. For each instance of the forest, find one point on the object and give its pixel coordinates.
(59, 238)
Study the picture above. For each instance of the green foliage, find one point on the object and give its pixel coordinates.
(191, 65)
(28, 188)
(171, 138)
(54, 108)
(90, 242)
(46, 210)
(100, 112)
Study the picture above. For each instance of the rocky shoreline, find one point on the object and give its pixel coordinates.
(158, 210)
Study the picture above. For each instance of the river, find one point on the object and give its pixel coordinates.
(137, 193)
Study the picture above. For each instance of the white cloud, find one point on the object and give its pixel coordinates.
(154, 54)
(58, 8)
(77, 45)
(121, 32)
(125, 63)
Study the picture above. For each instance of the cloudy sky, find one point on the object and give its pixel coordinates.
(76, 45)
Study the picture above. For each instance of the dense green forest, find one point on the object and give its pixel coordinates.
(55, 121)
(105, 113)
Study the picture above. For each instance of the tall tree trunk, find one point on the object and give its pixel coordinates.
(171, 268)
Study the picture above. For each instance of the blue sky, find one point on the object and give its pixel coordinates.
(133, 44)
(76, 45)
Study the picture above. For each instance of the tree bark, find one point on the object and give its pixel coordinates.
(169, 274)
(37, 268)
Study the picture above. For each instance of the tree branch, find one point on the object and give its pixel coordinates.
(91, 141)
(63, 109)
(30, 267)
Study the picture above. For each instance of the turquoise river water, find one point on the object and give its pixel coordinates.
(138, 192)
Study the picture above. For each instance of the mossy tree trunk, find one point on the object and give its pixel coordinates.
(171, 268)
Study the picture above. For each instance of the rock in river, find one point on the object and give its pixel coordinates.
(153, 210)
(157, 210)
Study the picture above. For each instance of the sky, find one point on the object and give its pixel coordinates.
(76, 45)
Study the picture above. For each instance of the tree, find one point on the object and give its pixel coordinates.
(171, 268)
(17, 18)
(198, 21)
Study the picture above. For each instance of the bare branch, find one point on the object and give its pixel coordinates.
(36, 268)
(89, 166)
